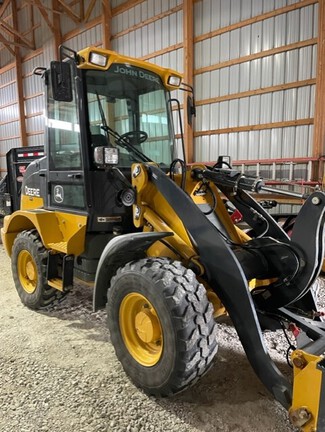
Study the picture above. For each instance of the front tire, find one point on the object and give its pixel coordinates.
(161, 325)
(28, 264)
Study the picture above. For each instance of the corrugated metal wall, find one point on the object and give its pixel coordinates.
(254, 61)
(240, 61)
(9, 111)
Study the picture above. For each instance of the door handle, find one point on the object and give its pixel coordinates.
(75, 176)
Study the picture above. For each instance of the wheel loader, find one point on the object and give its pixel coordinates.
(113, 203)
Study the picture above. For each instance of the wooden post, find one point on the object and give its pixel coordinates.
(57, 40)
(319, 118)
(19, 81)
(106, 23)
(188, 48)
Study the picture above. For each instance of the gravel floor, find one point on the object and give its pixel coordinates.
(58, 372)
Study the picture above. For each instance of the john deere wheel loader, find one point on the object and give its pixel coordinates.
(112, 203)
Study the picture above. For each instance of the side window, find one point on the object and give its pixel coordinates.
(64, 134)
(154, 121)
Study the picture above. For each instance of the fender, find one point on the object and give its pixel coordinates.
(66, 235)
(119, 251)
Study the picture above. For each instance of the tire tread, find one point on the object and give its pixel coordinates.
(192, 315)
(47, 296)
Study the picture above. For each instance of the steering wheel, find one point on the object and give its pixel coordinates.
(133, 137)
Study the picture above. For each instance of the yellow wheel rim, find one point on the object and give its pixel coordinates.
(27, 271)
(141, 330)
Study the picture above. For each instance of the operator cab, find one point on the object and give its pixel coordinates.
(104, 113)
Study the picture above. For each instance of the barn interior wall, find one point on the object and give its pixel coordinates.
(254, 68)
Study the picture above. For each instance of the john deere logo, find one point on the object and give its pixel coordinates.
(58, 194)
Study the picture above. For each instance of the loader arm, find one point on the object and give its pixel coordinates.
(222, 266)
(225, 274)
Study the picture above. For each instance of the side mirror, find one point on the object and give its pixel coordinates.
(105, 156)
(191, 109)
(61, 81)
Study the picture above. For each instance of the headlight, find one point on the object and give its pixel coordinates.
(104, 156)
(174, 81)
(98, 59)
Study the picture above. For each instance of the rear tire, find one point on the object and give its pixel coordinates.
(28, 264)
(161, 325)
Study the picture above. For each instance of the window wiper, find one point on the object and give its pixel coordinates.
(104, 122)
(124, 143)
(119, 139)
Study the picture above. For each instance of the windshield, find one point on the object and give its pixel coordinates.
(132, 103)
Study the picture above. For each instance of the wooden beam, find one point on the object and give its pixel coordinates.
(7, 84)
(14, 120)
(40, 132)
(125, 6)
(90, 9)
(319, 130)
(4, 7)
(261, 54)
(32, 22)
(7, 44)
(248, 128)
(32, 55)
(162, 51)
(19, 82)
(37, 114)
(255, 19)
(35, 95)
(70, 12)
(11, 43)
(106, 23)
(264, 90)
(57, 40)
(8, 104)
(148, 21)
(188, 59)
(42, 6)
(74, 2)
(7, 67)
(10, 138)
(44, 15)
(85, 27)
(285, 161)
(81, 9)
(14, 31)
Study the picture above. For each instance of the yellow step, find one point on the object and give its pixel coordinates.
(56, 283)
(59, 247)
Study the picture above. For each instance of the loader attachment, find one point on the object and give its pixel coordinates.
(308, 237)
(294, 264)
(306, 245)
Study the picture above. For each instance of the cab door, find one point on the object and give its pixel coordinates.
(66, 189)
